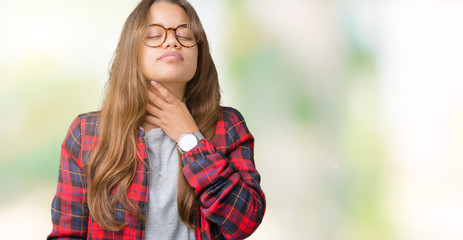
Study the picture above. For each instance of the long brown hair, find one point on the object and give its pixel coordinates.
(113, 162)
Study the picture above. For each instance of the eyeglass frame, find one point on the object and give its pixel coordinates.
(166, 30)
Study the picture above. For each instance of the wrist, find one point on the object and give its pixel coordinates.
(188, 141)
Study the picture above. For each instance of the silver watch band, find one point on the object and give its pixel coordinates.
(198, 136)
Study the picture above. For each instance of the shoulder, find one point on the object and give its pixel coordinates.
(231, 115)
(89, 123)
(232, 123)
(85, 124)
(90, 117)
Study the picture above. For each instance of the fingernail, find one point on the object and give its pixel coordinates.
(154, 83)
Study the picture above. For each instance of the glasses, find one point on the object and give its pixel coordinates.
(156, 35)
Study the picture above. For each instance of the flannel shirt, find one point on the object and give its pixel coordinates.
(222, 173)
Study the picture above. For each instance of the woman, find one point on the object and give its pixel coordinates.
(162, 159)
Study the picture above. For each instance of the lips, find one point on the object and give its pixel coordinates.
(171, 56)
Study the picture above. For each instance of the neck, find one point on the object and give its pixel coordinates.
(178, 89)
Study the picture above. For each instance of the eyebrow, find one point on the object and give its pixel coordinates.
(152, 24)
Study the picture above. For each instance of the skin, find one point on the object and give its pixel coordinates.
(168, 75)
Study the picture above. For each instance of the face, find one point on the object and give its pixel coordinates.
(170, 63)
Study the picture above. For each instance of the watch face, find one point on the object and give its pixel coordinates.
(187, 142)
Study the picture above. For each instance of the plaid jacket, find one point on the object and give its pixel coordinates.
(222, 174)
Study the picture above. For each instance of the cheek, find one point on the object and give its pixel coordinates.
(146, 64)
(194, 61)
(143, 62)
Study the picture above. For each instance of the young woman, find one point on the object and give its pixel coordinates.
(162, 159)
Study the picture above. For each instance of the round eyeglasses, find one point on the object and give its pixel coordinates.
(156, 35)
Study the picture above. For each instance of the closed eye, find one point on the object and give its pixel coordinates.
(185, 38)
(154, 37)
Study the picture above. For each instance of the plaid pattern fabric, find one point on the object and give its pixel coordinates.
(222, 173)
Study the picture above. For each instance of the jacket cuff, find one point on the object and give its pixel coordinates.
(201, 150)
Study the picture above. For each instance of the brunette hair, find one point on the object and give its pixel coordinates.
(112, 165)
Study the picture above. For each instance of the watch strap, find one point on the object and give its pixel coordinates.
(199, 138)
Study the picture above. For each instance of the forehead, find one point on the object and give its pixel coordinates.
(167, 14)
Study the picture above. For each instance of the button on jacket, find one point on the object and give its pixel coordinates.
(222, 173)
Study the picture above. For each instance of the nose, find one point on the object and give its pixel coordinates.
(171, 40)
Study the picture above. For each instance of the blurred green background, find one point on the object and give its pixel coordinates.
(356, 108)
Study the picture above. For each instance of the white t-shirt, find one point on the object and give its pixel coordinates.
(163, 221)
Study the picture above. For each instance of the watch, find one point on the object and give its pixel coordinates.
(188, 141)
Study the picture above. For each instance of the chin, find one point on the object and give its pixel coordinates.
(173, 77)
(171, 81)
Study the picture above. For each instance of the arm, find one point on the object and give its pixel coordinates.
(226, 180)
(69, 210)
(224, 176)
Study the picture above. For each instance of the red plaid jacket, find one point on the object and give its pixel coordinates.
(222, 174)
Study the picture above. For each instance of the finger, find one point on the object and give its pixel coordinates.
(153, 120)
(169, 96)
(156, 100)
(153, 110)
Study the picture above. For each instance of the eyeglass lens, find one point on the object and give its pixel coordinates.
(156, 35)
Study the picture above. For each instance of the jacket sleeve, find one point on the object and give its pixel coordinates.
(69, 212)
(225, 178)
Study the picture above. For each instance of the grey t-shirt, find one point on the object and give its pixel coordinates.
(163, 221)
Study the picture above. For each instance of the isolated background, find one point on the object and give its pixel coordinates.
(356, 107)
